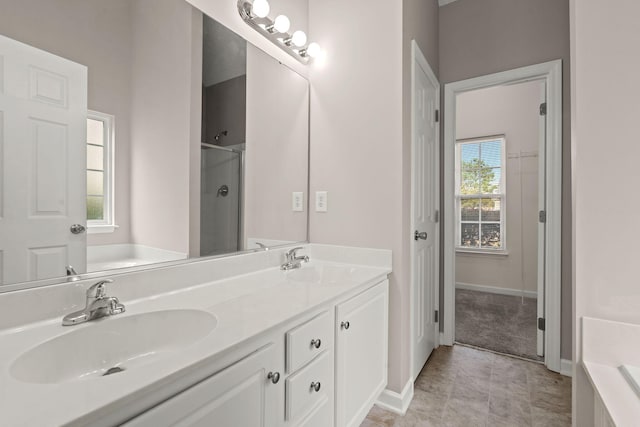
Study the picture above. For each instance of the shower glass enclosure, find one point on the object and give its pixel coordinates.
(224, 93)
(221, 200)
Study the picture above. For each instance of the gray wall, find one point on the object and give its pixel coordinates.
(479, 37)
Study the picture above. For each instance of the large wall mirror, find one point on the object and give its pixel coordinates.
(136, 132)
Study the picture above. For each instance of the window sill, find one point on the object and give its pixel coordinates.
(489, 252)
(101, 229)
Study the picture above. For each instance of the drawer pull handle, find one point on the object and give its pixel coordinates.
(315, 386)
(274, 377)
(316, 343)
(345, 325)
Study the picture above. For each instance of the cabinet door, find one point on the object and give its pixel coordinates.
(361, 353)
(240, 395)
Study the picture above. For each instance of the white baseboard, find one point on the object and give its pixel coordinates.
(566, 367)
(496, 290)
(394, 402)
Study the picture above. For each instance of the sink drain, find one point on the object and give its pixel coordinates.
(114, 370)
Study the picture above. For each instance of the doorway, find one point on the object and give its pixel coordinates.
(498, 141)
(485, 243)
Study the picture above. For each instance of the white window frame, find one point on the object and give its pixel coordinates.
(107, 224)
(502, 195)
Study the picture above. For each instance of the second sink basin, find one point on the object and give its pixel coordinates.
(112, 345)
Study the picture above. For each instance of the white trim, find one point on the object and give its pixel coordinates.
(100, 229)
(497, 290)
(472, 252)
(100, 226)
(566, 368)
(418, 58)
(396, 402)
(551, 72)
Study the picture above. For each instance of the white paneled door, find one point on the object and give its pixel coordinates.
(425, 209)
(43, 113)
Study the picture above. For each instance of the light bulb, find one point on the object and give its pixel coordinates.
(282, 24)
(260, 8)
(299, 38)
(313, 50)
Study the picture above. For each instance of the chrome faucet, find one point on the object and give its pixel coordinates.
(292, 260)
(98, 305)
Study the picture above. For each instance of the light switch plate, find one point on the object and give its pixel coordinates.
(298, 201)
(321, 201)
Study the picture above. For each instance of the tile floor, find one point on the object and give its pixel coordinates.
(464, 387)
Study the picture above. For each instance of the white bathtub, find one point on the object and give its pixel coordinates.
(108, 257)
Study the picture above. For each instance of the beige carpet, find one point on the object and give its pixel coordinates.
(502, 323)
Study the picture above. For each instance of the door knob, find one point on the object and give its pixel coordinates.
(418, 235)
(78, 228)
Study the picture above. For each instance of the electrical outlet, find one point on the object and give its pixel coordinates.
(298, 201)
(321, 201)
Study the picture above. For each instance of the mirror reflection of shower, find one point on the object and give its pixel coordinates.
(223, 139)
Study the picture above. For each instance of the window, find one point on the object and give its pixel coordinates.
(480, 194)
(99, 172)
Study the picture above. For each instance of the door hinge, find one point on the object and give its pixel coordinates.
(437, 116)
(542, 216)
(436, 317)
(436, 216)
(543, 109)
(541, 323)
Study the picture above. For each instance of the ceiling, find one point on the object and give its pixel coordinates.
(443, 2)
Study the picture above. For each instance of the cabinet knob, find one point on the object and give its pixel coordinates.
(316, 343)
(274, 377)
(315, 386)
(344, 325)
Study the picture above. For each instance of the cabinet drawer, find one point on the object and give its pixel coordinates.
(300, 349)
(322, 416)
(300, 396)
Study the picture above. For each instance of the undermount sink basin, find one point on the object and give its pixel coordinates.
(112, 345)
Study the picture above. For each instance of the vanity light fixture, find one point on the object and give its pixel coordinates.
(260, 8)
(281, 24)
(312, 51)
(256, 14)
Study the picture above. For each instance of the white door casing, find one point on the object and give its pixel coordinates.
(43, 111)
(542, 173)
(551, 73)
(425, 196)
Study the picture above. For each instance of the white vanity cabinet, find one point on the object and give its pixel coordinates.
(361, 353)
(327, 369)
(243, 394)
(601, 417)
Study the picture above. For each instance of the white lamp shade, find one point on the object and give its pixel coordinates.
(282, 24)
(313, 50)
(299, 38)
(260, 8)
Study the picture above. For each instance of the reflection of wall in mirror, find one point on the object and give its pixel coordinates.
(119, 42)
(277, 149)
(167, 58)
(98, 37)
(512, 111)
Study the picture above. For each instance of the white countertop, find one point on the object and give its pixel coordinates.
(607, 345)
(245, 307)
